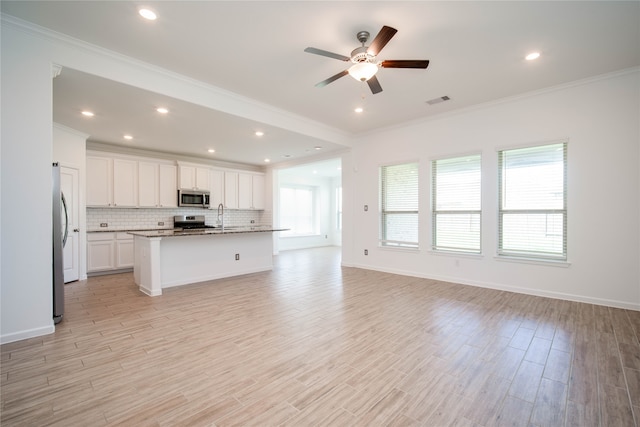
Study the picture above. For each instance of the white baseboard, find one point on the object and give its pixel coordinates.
(30, 333)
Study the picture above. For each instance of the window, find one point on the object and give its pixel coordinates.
(399, 205)
(532, 206)
(297, 211)
(456, 206)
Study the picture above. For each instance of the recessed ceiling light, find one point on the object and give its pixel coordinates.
(147, 14)
(162, 110)
(259, 133)
(88, 113)
(127, 137)
(359, 110)
(317, 147)
(315, 172)
(211, 150)
(267, 160)
(532, 56)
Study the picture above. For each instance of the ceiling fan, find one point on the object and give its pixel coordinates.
(365, 65)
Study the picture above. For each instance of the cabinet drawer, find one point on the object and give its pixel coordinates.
(124, 236)
(99, 236)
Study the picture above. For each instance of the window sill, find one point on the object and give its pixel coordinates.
(534, 261)
(456, 254)
(398, 249)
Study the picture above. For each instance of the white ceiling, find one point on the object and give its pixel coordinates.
(256, 49)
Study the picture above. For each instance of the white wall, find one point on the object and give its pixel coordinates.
(26, 210)
(70, 149)
(601, 120)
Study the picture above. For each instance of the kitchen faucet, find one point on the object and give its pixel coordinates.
(221, 215)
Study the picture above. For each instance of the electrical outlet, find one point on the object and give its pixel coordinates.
(366, 208)
(253, 221)
(237, 257)
(160, 223)
(104, 224)
(366, 251)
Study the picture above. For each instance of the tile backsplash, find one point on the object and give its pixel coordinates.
(118, 219)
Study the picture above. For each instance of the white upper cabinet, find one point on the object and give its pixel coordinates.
(245, 191)
(129, 181)
(250, 191)
(231, 190)
(125, 183)
(99, 181)
(157, 186)
(193, 177)
(258, 192)
(168, 186)
(148, 183)
(216, 188)
(112, 182)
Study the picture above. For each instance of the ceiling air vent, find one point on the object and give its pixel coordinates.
(438, 100)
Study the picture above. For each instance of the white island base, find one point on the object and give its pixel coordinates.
(166, 261)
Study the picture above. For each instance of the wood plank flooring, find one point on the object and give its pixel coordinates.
(311, 343)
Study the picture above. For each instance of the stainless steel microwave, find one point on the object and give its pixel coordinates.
(193, 198)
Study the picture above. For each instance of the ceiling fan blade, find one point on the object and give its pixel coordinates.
(374, 85)
(332, 79)
(409, 63)
(327, 54)
(381, 40)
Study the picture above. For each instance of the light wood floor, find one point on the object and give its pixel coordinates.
(311, 343)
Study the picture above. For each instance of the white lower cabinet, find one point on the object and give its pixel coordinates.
(109, 251)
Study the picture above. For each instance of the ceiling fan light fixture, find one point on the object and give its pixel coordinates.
(363, 71)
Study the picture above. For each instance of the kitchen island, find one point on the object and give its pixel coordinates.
(166, 258)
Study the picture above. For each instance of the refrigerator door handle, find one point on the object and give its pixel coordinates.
(66, 220)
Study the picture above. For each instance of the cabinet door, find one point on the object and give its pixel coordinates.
(245, 192)
(231, 190)
(258, 192)
(216, 187)
(124, 250)
(100, 249)
(202, 178)
(147, 184)
(168, 186)
(99, 181)
(125, 183)
(187, 177)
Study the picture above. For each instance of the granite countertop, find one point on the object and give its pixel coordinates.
(206, 231)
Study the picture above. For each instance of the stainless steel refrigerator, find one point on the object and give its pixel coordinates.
(60, 233)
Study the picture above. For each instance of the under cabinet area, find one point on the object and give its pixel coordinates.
(109, 251)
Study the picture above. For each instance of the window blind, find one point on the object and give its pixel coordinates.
(456, 204)
(297, 210)
(399, 205)
(532, 206)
